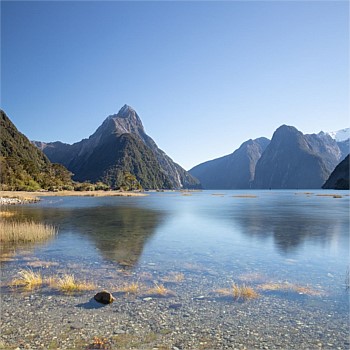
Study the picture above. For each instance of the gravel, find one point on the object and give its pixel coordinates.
(193, 318)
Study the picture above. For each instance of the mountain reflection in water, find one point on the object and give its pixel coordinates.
(290, 226)
(119, 233)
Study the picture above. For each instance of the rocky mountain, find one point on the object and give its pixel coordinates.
(344, 147)
(25, 167)
(233, 171)
(295, 160)
(339, 178)
(340, 135)
(120, 144)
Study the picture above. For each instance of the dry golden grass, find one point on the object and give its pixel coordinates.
(146, 276)
(68, 284)
(27, 231)
(329, 195)
(40, 263)
(21, 195)
(7, 214)
(238, 292)
(28, 279)
(174, 277)
(159, 290)
(33, 196)
(290, 287)
(132, 288)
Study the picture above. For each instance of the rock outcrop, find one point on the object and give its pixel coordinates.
(339, 178)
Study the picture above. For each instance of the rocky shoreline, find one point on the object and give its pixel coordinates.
(191, 318)
(14, 200)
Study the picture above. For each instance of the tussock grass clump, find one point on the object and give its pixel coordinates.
(27, 231)
(159, 290)
(329, 195)
(289, 287)
(7, 214)
(68, 284)
(28, 279)
(174, 277)
(99, 343)
(146, 276)
(131, 288)
(238, 292)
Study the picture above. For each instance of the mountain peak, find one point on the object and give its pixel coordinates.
(125, 111)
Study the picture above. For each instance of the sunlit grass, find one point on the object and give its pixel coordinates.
(27, 231)
(159, 290)
(132, 288)
(329, 195)
(238, 292)
(27, 279)
(290, 287)
(174, 277)
(146, 276)
(21, 195)
(7, 214)
(68, 284)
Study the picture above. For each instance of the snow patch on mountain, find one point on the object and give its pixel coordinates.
(340, 135)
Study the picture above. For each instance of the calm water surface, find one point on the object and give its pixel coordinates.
(270, 237)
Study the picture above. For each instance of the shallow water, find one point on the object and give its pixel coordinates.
(292, 245)
(282, 235)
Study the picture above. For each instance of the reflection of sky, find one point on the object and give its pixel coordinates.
(272, 230)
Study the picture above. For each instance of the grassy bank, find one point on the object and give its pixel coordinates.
(33, 196)
(27, 231)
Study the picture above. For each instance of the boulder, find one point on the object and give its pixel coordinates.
(104, 297)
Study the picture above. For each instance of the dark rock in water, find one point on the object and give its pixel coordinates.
(104, 297)
(175, 306)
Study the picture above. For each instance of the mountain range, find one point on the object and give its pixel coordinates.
(120, 145)
(120, 149)
(290, 160)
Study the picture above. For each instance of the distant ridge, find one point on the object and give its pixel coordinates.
(291, 160)
(233, 171)
(295, 160)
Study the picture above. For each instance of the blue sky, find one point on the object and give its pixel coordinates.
(203, 76)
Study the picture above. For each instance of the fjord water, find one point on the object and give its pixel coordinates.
(255, 237)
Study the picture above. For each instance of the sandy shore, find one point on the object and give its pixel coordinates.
(17, 197)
